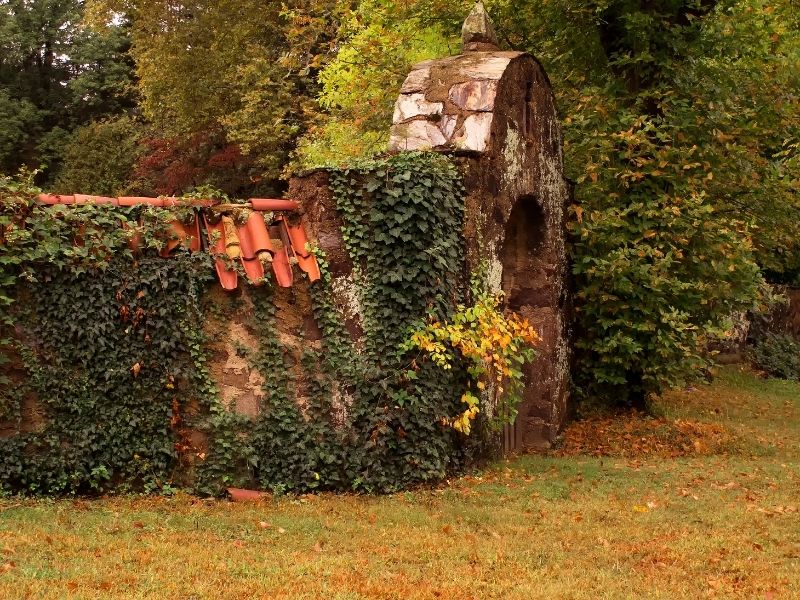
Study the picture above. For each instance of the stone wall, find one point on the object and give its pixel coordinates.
(494, 113)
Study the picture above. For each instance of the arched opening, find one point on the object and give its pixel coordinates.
(524, 281)
(527, 289)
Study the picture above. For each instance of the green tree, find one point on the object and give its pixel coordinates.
(681, 128)
(208, 67)
(100, 158)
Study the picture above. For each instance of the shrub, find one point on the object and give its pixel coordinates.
(777, 354)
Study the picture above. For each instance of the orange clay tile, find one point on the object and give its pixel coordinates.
(305, 259)
(254, 269)
(254, 237)
(273, 204)
(246, 241)
(308, 264)
(135, 241)
(242, 495)
(136, 200)
(182, 234)
(84, 199)
(56, 199)
(254, 243)
(172, 202)
(280, 258)
(227, 277)
(297, 235)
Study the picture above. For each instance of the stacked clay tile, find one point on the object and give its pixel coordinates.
(255, 242)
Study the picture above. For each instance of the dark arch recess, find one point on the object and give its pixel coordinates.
(524, 279)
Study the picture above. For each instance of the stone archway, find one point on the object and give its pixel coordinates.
(527, 284)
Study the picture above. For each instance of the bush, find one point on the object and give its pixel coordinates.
(100, 157)
(777, 354)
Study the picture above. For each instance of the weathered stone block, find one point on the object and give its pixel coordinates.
(409, 106)
(474, 133)
(477, 95)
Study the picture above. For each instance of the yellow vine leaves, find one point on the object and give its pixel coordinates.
(495, 346)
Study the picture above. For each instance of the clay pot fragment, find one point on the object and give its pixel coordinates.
(242, 495)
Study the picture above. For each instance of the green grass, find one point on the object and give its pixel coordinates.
(722, 525)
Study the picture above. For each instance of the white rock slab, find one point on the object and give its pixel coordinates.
(474, 133)
(416, 80)
(477, 95)
(415, 135)
(409, 106)
(447, 125)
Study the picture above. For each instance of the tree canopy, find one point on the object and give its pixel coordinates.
(681, 121)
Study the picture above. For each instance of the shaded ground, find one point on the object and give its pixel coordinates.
(700, 503)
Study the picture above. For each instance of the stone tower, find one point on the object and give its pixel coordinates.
(495, 112)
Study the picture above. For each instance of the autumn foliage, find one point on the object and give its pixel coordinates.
(495, 346)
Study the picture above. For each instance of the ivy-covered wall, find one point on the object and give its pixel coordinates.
(124, 370)
(131, 371)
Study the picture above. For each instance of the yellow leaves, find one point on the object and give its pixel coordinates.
(463, 421)
(492, 342)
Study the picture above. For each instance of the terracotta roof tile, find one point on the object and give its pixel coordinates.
(227, 277)
(56, 199)
(255, 243)
(186, 235)
(305, 259)
(268, 204)
(136, 200)
(280, 257)
(83, 199)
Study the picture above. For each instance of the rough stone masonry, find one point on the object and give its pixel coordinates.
(494, 112)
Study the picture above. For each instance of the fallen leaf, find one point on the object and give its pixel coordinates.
(281, 530)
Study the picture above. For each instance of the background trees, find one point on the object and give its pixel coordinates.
(55, 75)
(681, 121)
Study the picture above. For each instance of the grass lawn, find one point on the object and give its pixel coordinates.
(703, 502)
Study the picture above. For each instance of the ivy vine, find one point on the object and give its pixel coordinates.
(118, 358)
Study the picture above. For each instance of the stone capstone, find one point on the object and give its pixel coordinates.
(478, 33)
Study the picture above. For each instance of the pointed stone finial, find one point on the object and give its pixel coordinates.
(478, 31)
